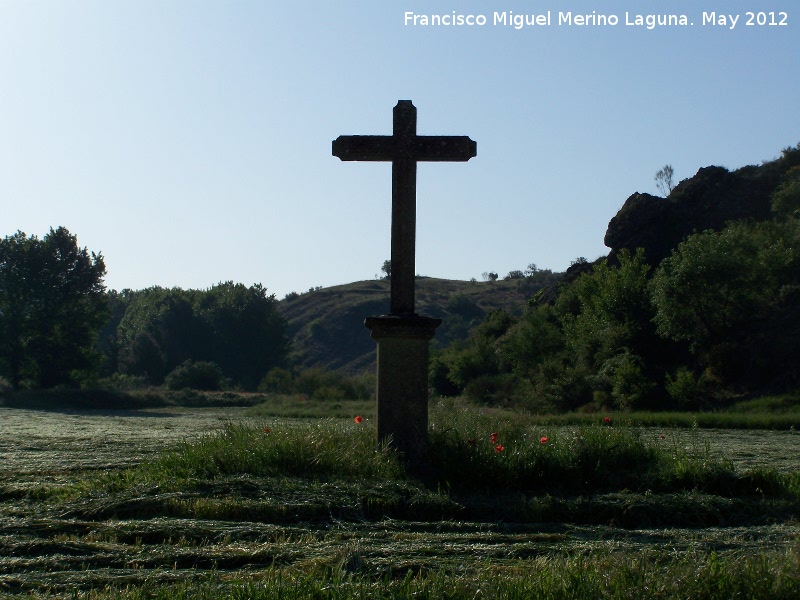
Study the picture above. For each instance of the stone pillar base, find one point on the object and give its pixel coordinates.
(402, 387)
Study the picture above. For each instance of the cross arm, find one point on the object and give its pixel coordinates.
(364, 147)
(441, 148)
(385, 148)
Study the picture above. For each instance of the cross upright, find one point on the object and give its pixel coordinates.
(404, 148)
(403, 335)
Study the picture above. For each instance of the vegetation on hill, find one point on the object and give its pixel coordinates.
(718, 318)
(327, 330)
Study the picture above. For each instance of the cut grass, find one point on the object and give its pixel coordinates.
(598, 575)
(327, 449)
(313, 509)
(477, 467)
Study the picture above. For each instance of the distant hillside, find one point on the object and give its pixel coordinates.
(327, 326)
(327, 329)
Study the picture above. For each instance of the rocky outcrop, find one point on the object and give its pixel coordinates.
(709, 200)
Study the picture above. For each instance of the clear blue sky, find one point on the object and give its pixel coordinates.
(189, 141)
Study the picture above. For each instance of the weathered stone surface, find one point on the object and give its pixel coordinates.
(402, 382)
(709, 200)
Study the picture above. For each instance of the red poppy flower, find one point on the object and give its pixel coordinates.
(606, 420)
(358, 419)
(267, 430)
(544, 439)
(494, 437)
(499, 448)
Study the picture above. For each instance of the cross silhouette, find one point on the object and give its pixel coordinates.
(404, 148)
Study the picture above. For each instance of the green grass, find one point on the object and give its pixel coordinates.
(755, 414)
(478, 465)
(298, 406)
(769, 404)
(704, 420)
(769, 412)
(715, 420)
(607, 575)
(327, 449)
(312, 509)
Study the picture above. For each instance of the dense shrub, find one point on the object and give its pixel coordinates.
(491, 389)
(277, 381)
(561, 386)
(200, 375)
(623, 375)
(317, 383)
(684, 388)
(122, 382)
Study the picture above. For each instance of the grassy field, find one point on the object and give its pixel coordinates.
(235, 502)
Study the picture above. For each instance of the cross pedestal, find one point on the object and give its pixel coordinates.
(403, 335)
(402, 386)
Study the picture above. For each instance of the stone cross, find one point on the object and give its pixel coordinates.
(402, 335)
(404, 148)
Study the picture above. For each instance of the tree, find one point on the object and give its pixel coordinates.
(478, 356)
(664, 180)
(157, 333)
(107, 343)
(191, 375)
(607, 321)
(710, 286)
(238, 328)
(242, 331)
(608, 309)
(733, 296)
(786, 199)
(387, 268)
(52, 304)
(530, 341)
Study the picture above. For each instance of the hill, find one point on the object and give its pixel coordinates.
(326, 326)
